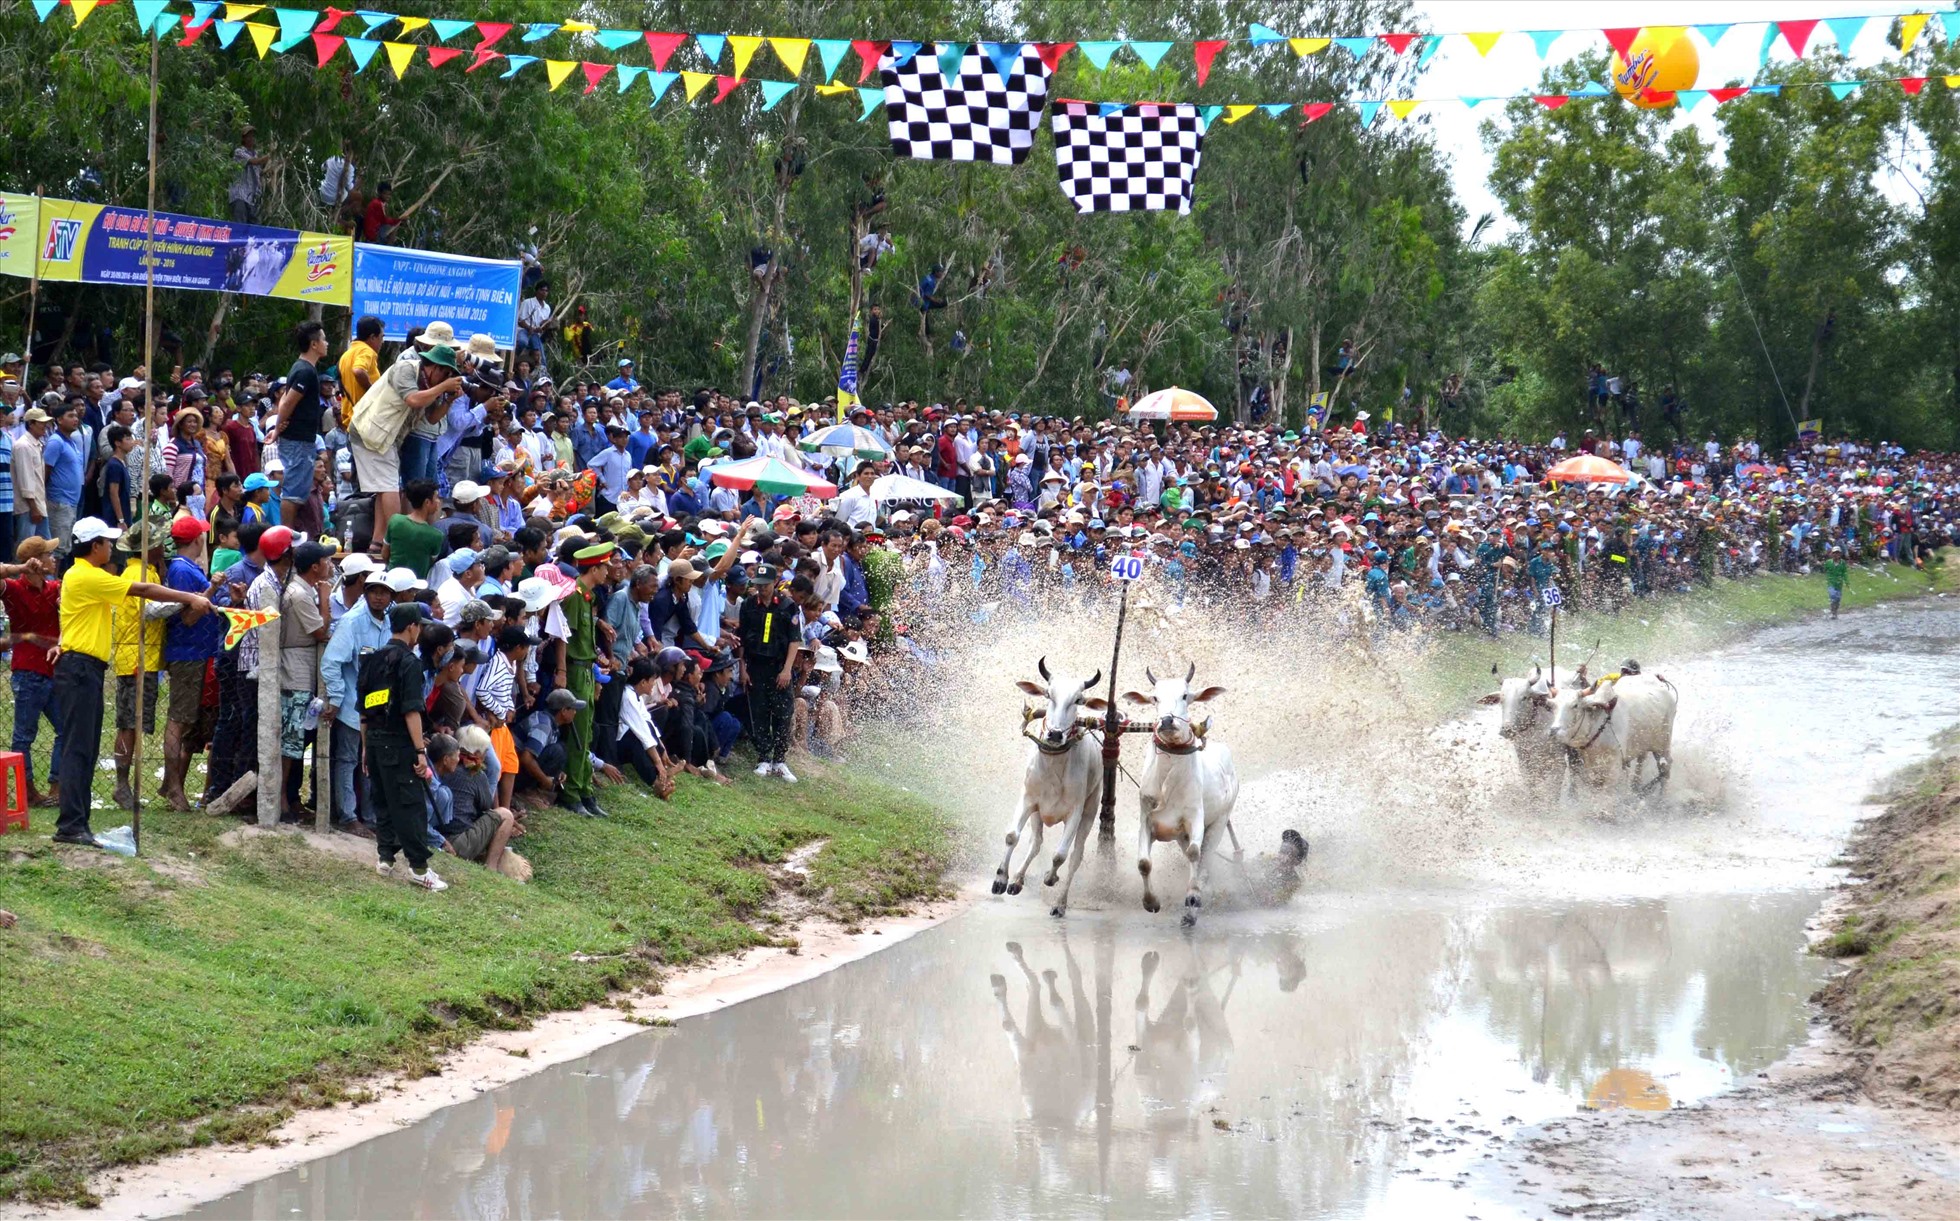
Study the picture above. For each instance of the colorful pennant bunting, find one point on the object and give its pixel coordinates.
(556, 70)
(1202, 53)
(662, 47)
(660, 83)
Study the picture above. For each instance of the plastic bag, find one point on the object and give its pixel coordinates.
(121, 841)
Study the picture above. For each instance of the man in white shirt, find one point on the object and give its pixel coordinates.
(533, 317)
(1632, 449)
(855, 506)
(337, 178)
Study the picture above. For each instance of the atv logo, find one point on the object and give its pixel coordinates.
(63, 237)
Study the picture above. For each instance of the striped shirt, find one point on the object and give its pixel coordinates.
(494, 686)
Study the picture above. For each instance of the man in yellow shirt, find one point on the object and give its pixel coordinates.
(360, 365)
(135, 616)
(90, 597)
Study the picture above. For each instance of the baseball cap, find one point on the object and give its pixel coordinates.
(256, 481)
(359, 564)
(90, 529)
(405, 614)
(461, 561)
(186, 529)
(563, 700)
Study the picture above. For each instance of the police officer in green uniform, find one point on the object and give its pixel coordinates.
(391, 741)
(581, 653)
(770, 638)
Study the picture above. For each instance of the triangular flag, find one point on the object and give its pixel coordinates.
(446, 30)
(775, 91)
(579, 27)
(1051, 54)
(538, 31)
(1591, 89)
(695, 82)
(1952, 82)
(1485, 40)
(1910, 25)
(1315, 110)
(662, 47)
(43, 7)
(1261, 36)
(1690, 98)
(324, 47)
(744, 46)
(203, 10)
(869, 52)
(362, 49)
(1770, 35)
(556, 70)
(1356, 47)
(616, 40)
(480, 57)
(1151, 53)
(725, 85)
(1431, 44)
(490, 31)
(1368, 112)
(262, 35)
(374, 20)
(1304, 47)
(1098, 52)
(1912, 85)
(147, 12)
(1234, 113)
(1796, 34)
(872, 99)
(399, 55)
(1728, 94)
(1712, 34)
(1621, 39)
(628, 73)
(438, 56)
(1003, 55)
(1845, 30)
(1276, 109)
(660, 83)
(1550, 101)
(594, 73)
(831, 52)
(82, 8)
(1844, 89)
(228, 33)
(1202, 53)
(1107, 109)
(1658, 97)
(833, 89)
(792, 51)
(1543, 40)
(1402, 108)
(711, 45)
(903, 51)
(294, 24)
(239, 12)
(194, 30)
(1209, 114)
(1775, 91)
(1472, 103)
(951, 55)
(515, 64)
(1400, 43)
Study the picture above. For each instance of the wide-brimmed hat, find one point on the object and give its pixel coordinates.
(441, 354)
(483, 347)
(436, 333)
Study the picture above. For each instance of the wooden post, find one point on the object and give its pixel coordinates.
(142, 504)
(272, 778)
(1112, 733)
(33, 298)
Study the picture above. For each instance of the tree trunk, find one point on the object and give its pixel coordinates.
(211, 331)
(1810, 378)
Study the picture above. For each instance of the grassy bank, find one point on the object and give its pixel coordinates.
(203, 992)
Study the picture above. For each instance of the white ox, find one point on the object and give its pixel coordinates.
(1062, 784)
(1522, 705)
(1188, 788)
(1618, 721)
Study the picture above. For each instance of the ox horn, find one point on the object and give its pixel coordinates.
(1152, 677)
(1042, 667)
(1093, 680)
(1191, 673)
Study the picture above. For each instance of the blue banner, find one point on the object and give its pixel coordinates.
(411, 288)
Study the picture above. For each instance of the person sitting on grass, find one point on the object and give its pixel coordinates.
(640, 743)
(478, 828)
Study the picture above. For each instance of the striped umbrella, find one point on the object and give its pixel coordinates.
(1587, 469)
(1175, 405)
(773, 476)
(845, 440)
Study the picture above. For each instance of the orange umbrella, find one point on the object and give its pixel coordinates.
(1171, 403)
(1587, 469)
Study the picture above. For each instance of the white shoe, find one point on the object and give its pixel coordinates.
(765, 768)
(782, 770)
(427, 878)
(385, 868)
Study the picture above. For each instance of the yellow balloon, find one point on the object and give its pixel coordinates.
(1659, 61)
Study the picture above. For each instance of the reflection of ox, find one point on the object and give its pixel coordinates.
(1062, 784)
(1056, 1058)
(1521, 707)
(1188, 787)
(1618, 721)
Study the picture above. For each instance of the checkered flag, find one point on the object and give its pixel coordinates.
(1141, 158)
(981, 115)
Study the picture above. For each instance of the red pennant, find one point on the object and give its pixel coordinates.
(1315, 110)
(663, 47)
(1551, 101)
(1913, 84)
(1622, 40)
(1658, 97)
(1203, 53)
(483, 56)
(324, 46)
(594, 73)
(491, 31)
(194, 32)
(869, 52)
(1729, 94)
(331, 18)
(725, 85)
(1051, 53)
(1797, 34)
(1399, 42)
(438, 56)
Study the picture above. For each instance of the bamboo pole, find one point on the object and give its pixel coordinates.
(149, 445)
(33, 301)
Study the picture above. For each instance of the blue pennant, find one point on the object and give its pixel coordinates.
(1543, 40)
(1844, 89)
(1430, 45)
(903, 51)
(1591, 89)
(362, 49)
(1473, 103)
(1769, 40)
(228, 32)
(147, 12)
(1263, 36)
(1208, 113)
(1276, 109)
(614, 40)
(1151, 53)
(1368, 112)
(1006, 56)
(711, 45)
(660, 83)
(1098, 53)
(775, 91)
(627, 75)
(833, 51)
(872, 99)
(538, 31)
(1845, 30)
(1107, 109)
(446, 30)
(1772, 90)
(1712, 34)
(513, 64)
(1690, 98)
(950, 54)
(204, 10)
(43, 7)
(295, 24)
(1356, 47)
(374, 20)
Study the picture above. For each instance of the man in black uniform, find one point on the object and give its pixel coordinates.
(770, 637)
(392, 743)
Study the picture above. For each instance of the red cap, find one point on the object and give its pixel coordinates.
(185, 529)
(274, 543)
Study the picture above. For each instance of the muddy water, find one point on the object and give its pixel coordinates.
(1354, 1053)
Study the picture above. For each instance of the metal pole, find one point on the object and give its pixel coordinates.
(1554, 681)
(149, 442)
(1112, 732)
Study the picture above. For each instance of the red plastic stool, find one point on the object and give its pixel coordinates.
(13, 800)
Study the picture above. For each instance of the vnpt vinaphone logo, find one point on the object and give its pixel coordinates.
(63, 237)
(319, 262)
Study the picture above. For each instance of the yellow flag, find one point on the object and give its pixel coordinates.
(834, 88)
(262, 35)
(744, 46)
(1485, 41)
(1402, 108)
(411, 24)
(556, 70)
(1664, 37)
(578, 27)
(695, 82)
(792, 51)
(1909, 26)
(399, 56)
(1309, 46)
(82, 8)
(1234, 113)
(1952, 82)
(239, 12)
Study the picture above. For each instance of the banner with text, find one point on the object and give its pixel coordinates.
(410, 288)
(97, 244)
(20, 225)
